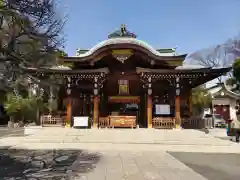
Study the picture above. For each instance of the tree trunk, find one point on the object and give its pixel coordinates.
(37, 116)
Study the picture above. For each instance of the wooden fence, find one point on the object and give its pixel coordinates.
(157, 122)
(49, 120)
(104, 122)
(197, 123)
(163, 123)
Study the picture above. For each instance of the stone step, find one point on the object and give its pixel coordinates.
(235, 148)
(206, 140)
(153, 143)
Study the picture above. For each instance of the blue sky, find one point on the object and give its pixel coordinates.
(190, 25)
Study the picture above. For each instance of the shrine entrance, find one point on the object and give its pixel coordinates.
(125, 82)
(120, 101)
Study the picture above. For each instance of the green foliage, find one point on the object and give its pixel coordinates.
(61, 53)
(30, 36)
(20, 108)
(2, 97)
(236, 70)
(200, 100)
(230, 81)
(52, 106)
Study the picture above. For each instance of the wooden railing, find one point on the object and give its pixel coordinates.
(104, 122)
(123, 121)
(49, 120)
(163, 122)
(117, 121)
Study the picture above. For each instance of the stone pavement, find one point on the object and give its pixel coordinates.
(220, 166)
(219, 133)
(146, 165)
(123, 153)
(77, 164)
(5, 131)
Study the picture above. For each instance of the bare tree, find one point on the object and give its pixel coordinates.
(30, 34)
(212, 57)
(219, 56)
(232, 46)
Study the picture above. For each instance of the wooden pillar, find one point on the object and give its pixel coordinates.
(95, 111)
(95, 103)
(69, 113)
(177, 112)
(84, 106)
(149, 111)
(149, 103)
(178, 104)
(69, 104)
(190, 104)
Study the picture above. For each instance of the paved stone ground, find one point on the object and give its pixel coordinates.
(120, 155)
(77, 164)
(45, 164)
(143, 166)
(4, 131)
(212, 165)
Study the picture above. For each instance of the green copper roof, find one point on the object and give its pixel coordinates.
(82, 51)
(123, 36)
(123, 32)
(170, 50)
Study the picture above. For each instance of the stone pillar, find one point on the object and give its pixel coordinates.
(149, 104)
(178, 105)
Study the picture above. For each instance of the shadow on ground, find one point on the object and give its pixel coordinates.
(211, 165)
(45, 164)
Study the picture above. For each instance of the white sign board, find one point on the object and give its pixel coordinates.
(80, 121)
(162, 109)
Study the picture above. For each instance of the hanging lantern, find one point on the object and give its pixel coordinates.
(149, 91)
(68, 91)
(177, 92)
(95, 91)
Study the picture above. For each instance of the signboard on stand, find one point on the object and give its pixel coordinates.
(80, 121)
(162, 109)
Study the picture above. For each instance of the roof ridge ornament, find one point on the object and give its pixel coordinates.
(123, 32)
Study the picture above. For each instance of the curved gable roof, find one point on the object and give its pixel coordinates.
(119, 41)
(228, 92)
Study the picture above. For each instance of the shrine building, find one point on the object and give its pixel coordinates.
(125, 82)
